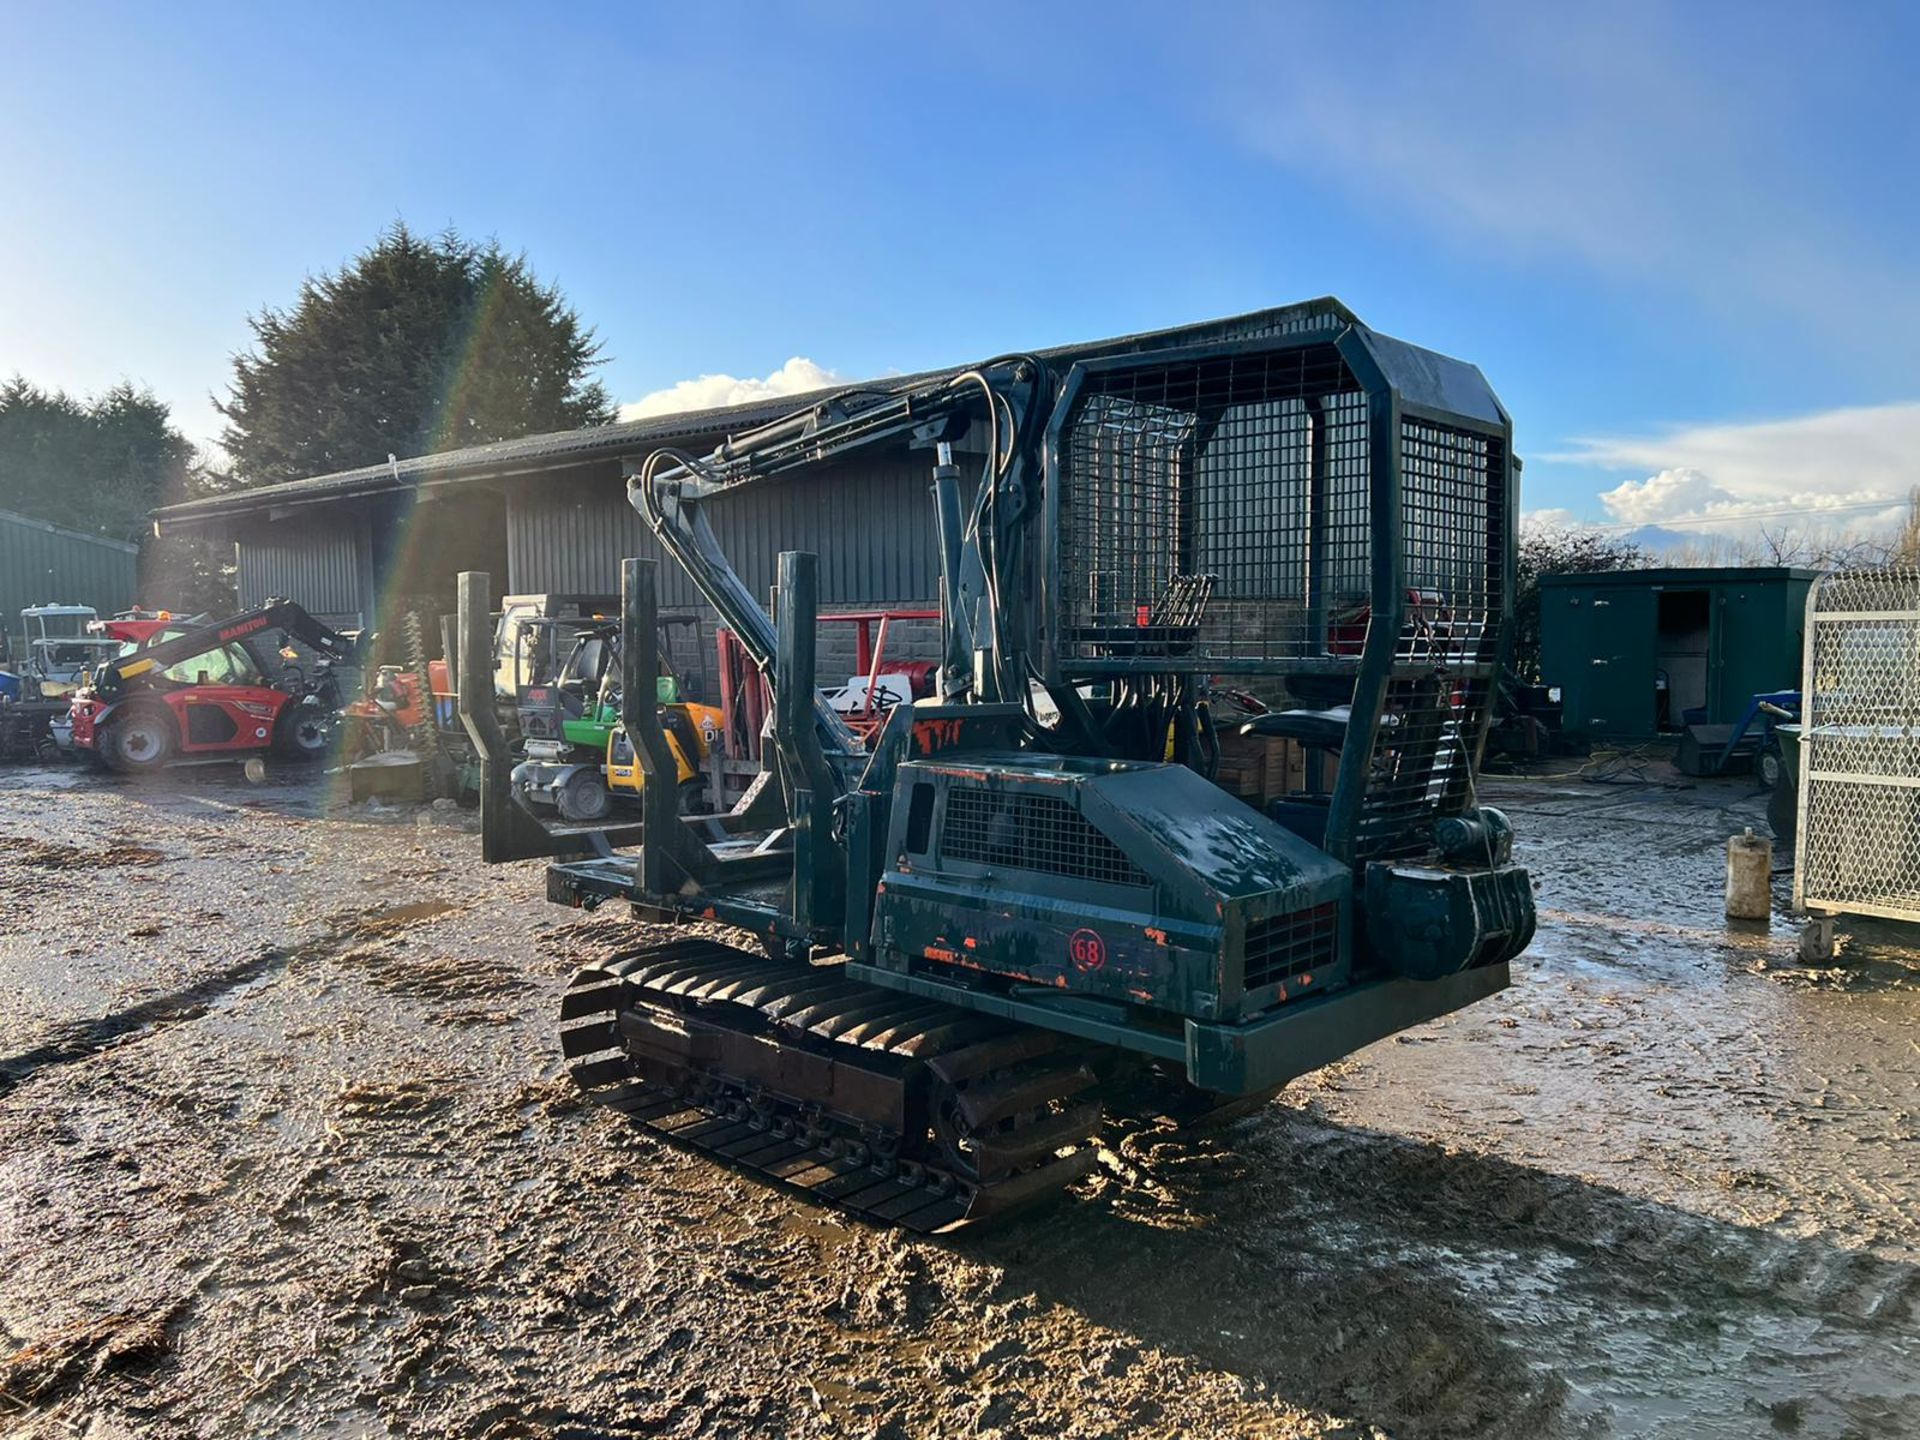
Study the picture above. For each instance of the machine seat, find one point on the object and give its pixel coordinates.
(1324, 729)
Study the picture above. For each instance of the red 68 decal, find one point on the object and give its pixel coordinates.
(1086, 950)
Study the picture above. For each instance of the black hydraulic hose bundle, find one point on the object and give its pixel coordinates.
(800, 438)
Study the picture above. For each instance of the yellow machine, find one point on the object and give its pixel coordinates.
(692, 733)
(576, 755)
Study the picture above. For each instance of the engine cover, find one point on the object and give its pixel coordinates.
(1133, 882)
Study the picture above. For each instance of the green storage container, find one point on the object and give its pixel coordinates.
(1640, 653)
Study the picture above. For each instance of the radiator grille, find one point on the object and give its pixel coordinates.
(1287, 946)
(1031, 832)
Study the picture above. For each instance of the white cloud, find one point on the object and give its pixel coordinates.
(1850, 468)
(1666, 496)
(796, 377)
(1552, 518)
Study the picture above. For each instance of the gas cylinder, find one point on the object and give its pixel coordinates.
(1749, 876)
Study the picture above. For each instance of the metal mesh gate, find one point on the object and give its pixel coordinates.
(1452, 515)
(1858, 839)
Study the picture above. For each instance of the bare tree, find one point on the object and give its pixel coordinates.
(1906, 548)
(1796, 542)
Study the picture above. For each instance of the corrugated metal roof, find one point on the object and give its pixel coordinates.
(11, 517)
(571, 447)
(504, 457)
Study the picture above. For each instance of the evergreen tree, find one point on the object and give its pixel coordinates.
(94, 465)
(417, 345)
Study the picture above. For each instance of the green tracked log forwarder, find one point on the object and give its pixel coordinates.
(1028, 894)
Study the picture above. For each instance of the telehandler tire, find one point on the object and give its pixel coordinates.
(138, 740)
(302, 733)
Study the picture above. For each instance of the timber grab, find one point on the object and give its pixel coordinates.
(1031, 889)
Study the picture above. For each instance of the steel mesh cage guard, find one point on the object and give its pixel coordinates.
(1858, 844)
(1223, 511)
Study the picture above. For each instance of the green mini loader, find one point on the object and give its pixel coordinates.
(1028, 895)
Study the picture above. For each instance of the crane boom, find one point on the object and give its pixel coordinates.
(982, 654)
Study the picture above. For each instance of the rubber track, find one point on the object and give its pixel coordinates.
(834, 1167)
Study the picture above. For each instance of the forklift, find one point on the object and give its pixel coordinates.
(1026, 898)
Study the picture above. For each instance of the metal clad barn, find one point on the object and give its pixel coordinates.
(42, 564)
(870, 523)
(549, 512)
(324, 567)
(1638, 652)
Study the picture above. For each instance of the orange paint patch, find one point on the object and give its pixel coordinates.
(967, 962)
(932, 735)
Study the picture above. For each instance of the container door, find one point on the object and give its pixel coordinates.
(1687, 659)
(1622, 676)
(1759, 630)
(1565, 616)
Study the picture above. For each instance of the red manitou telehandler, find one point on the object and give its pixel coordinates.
(194, 691)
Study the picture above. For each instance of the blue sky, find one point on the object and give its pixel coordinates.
(1680, 240)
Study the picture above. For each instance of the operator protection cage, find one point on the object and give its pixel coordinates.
(1350, 502)
(1324, 517)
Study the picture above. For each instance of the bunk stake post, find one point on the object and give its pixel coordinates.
(639, 713)
(819, 893)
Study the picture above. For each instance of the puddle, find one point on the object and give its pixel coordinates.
(79, 1040)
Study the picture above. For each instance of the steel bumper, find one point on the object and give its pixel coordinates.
(1235, 1059)
(1309, 1033)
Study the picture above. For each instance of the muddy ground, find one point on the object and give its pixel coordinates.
(285, 1151)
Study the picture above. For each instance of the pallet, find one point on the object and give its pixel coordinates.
(1259, 768)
